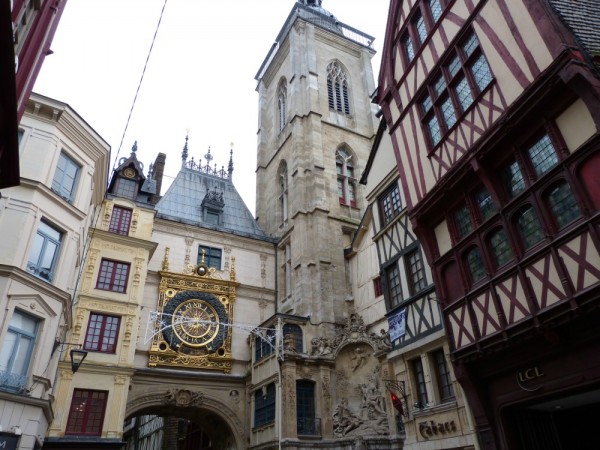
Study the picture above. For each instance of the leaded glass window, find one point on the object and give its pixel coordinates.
(500, 247)
(529, 228)
(475, 264)
(394, 286)
(436, 9)
(513, 179)
(415, 272)
(462, 218)
(486, 205)
(563, 205)
(542, 155)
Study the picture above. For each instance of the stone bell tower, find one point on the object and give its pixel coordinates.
(315, 128)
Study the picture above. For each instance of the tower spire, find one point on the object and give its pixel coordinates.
(184, 153)
(230, 167)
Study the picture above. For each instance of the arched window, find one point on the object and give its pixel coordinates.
(337, 88)
(283, 193)
(529, 227)
(563, 205)
(474, 263)
(282, 105)
(292, 337)
(346, 182)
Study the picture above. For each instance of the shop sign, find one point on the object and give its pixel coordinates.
(8, 442)
(526, 379)
(431, 429)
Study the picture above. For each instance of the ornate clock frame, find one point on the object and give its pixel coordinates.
(194, 318)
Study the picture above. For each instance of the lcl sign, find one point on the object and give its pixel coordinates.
(8, 441)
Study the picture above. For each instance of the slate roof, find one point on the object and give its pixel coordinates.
(583, 18)
(195, 184)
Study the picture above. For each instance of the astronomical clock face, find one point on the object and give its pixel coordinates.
(195, 321)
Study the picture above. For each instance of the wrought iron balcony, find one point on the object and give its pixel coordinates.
(12, 382)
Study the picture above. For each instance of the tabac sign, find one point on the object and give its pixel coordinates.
(8, 441)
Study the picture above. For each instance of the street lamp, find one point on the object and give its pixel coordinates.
(77, 357)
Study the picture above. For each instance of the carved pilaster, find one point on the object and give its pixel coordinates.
(106, 216)
(134, 222)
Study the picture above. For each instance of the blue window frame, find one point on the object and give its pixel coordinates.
(44, 253)
(16, 351)
(264, 405)
(65, 178)
(212, 256)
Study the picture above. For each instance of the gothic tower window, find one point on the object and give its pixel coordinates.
(283, 193)
(282, 105)
(337, 88)
(346, 181)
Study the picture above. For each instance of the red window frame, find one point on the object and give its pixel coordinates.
(102, 333)
(377, 287)
(113, 276)
(120, 220)
(86, 414)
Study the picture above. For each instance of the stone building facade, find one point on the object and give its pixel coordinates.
(43, 221)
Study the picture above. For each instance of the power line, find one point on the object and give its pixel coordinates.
(139, 84)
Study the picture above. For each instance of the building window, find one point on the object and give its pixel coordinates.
(409, 48)
(475, 265)
(102, 333)
(264, 405)
(542, 155)
(305, 408)
(113, 276)
(500, 247)
(529, 227)
(394, 286)
(462, 220)
(65, 177)
(211, 256)
(126, 188)
(460, 80)
(513, 179)
(563, 205)
(86, 415)
(16, 351)
(415, 271)
(435, 8)
(283, 193)
(390, 204)
(287, 270)
(442, 375)
(377, 287)
(337, 88)
(44, 253)
(420, 28)
(485, 204)
(345, 178)
(282, 105)
(120, 220)
(421, 399)
(264, 345)
(292, 337)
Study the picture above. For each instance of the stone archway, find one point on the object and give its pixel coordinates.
(216, 418)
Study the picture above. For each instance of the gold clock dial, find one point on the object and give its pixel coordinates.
(195, 322)
(129, 172)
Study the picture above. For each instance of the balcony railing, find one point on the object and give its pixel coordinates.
(12, 381)
(309, 426)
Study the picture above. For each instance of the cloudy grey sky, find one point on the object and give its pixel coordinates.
(200, 76)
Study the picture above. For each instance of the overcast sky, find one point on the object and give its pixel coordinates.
(200, 76)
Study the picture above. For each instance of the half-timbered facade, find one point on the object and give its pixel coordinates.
(394, 289)
(493, 112)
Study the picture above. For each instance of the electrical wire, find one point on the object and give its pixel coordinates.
(139, 85)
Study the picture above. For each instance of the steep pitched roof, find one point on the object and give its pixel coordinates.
(583, 18)
(200, 193)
